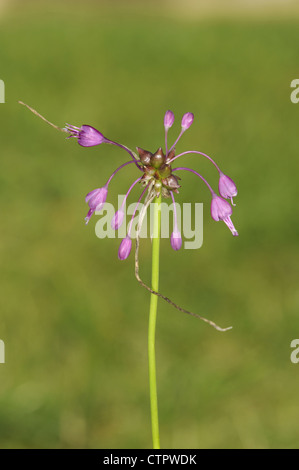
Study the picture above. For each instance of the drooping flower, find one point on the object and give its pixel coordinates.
(222, 210)
(87, 136)
(96, 200)
(227, 187)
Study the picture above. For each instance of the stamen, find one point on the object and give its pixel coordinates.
(117, 169)
(174, 212)
(180, 135)
(130, 152)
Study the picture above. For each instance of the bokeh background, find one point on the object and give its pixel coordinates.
(72, 316)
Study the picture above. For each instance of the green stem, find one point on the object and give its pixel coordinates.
(152, 323)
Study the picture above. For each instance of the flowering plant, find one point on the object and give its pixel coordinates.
(158, 179)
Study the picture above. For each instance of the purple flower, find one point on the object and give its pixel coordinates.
(168, 119)
(96, 199)
(227, 187)
(87, 136)
(125, 248)
(222, 210)
(176, 240)
(187, 120)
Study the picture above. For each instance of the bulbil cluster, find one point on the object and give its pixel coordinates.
(157, 170)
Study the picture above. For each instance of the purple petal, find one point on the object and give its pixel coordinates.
(96, 197)
(227, 187)
(89, 136)
(220, 208)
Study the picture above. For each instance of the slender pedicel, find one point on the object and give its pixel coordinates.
(176, 238)
(97, 197)
(220, 208)
(149, 199)
(196, 152)
(187, 120)
(168, 122)
(126, 243)
(130, 152)
(195, 173)
(117, 169)
(118, 217)
(227, 187)
(136, 207)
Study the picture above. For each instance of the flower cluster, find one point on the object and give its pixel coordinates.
(156, 174)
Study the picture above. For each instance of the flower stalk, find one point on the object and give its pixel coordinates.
(152, 323)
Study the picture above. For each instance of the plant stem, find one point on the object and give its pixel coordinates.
(152, 323)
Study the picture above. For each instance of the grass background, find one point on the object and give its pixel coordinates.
(72, 316)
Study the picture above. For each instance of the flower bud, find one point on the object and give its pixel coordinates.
(176, 240)
(145, 156)
(125, 248)
(168, 119)
(171, 183)
(187, 120)
(158, 158)
(164, 170)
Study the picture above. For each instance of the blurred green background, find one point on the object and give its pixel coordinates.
(73, 317)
